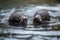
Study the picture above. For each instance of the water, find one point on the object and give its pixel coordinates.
(30, 33)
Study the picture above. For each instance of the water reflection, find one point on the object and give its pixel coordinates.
(6, 35)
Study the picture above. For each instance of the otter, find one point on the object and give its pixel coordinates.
(17, 19)
(40, 16)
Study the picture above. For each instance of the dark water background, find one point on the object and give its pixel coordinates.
(29, 7)
(4, 4)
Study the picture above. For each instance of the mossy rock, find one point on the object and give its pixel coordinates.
(55, 28)
(3, 25)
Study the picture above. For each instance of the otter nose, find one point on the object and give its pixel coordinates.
(36, 18)
(39, 18)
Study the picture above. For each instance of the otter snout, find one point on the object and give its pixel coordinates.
(38, 18)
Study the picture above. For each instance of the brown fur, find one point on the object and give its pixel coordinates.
(17, 20)
(43, 15)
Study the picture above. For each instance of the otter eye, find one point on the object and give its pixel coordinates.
(19, 16)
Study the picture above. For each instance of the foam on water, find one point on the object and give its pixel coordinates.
(32, 11)
(7, 14)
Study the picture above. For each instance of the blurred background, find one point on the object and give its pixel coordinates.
(18, 3)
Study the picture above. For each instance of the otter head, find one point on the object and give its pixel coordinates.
(40, 16)
(16, 19)
(37, 19)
